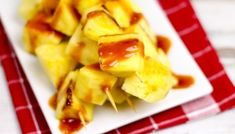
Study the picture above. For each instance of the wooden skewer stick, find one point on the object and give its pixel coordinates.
(129, 102)
(110, 97)
(82, 119)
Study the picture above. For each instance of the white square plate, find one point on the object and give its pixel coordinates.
(106, 118)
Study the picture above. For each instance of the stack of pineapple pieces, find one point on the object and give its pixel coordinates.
(94, 51)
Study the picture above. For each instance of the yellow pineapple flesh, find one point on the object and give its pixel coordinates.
(37, 31)
(117, 11)
(121, 55)
(82, 49)
(55, 62)
(98, 24)
(152, 83)
(92, 84)
(65, 18)
(68, 105)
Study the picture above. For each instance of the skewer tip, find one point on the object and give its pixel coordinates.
(110, 97)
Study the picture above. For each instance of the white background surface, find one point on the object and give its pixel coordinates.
(218, 17)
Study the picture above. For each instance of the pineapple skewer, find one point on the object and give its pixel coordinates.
(82, 118)
(130, 103)
(110, 97)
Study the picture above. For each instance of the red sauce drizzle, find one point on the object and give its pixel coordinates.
(135, 18)
(184, 81)
(53, 101)
(40, 25)
(116, 51)
(69, 97)
(68, 126)
(164, 43)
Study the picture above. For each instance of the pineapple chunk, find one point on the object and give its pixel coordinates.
(98, 24)
(28, 9)
(121, 55)
(38, 32)
(92, 83)
(68, 105)
(119, 14)
(56, 63)
(150, 48)
(151, 84)
(65, 18)
(82, 49)
(129, 6)
(83, 5)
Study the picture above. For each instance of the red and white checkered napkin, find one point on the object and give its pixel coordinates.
(184, 20)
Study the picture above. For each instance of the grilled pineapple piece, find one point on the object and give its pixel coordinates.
(28, 9)
(117, 11)
(82, 49)
(92, 84)
(129, 6)
(121, 55)
(65, 18)
(150, 48)
(83, 5)
(68, 105)
(151, 84)
(98, 24)
(54, 60)
(37, 32)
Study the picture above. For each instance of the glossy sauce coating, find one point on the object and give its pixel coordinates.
(114, 52)
(68, 126)
(164, 43)
(135, 18)
(53, 101)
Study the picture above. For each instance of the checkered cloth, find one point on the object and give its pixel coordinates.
(186, 23)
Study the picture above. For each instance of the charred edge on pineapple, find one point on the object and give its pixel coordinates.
(97, 13)
(118, 51)
(95, 66)
(40, 25)
(60, 83)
